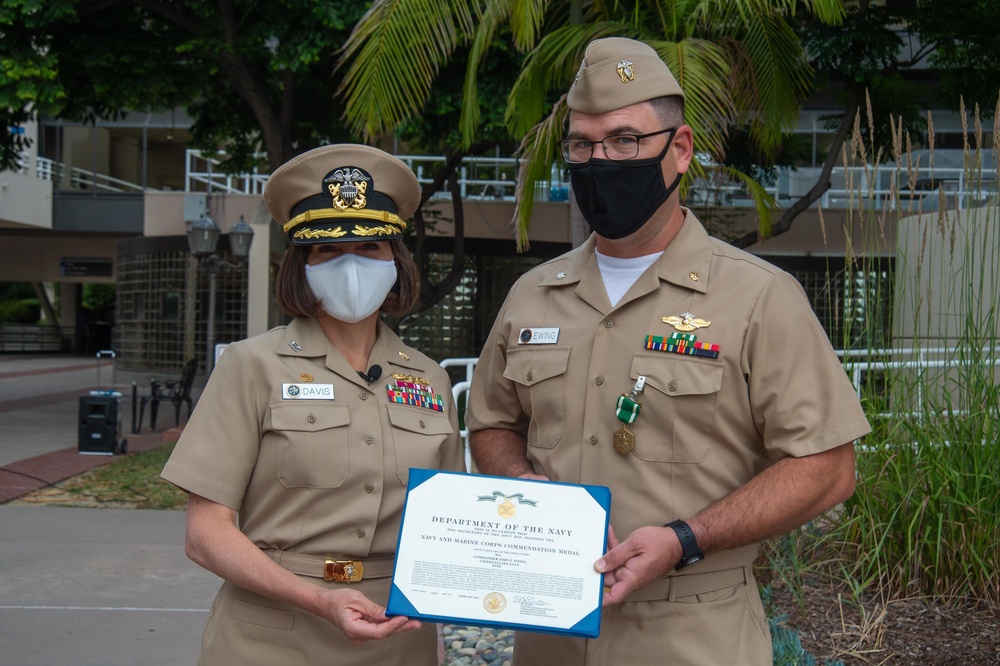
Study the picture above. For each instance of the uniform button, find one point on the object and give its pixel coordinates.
(361, 534)
(608, 323)
(593, 440)
(422, 424)
(311, 418)
(363, 396)
(369, 439)
(529, 376)
(599, 380)
(369, 488)
(672, 385)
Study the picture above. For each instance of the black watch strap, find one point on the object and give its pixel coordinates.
(691, 553)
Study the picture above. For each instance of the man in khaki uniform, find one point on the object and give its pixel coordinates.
(298, 455)
(688, 376)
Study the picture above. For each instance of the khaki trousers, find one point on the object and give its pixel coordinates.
(707, 628)
(247, 629)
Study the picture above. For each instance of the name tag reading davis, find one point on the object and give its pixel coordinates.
(307, 391)
(538, 336)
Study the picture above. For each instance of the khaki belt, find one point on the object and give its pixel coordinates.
(671, 588)
(333, 568)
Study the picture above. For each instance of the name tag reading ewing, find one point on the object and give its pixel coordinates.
(307, 391)
(538, 336)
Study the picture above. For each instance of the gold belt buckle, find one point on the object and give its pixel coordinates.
(343, 571)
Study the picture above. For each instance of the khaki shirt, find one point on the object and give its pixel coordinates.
(318, 477)
(706, 426)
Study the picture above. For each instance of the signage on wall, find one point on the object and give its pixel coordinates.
(90, 267)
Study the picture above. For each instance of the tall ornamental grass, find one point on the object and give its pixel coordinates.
(925, 518)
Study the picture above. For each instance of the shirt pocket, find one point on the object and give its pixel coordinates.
(417, 436)
(313, 443)
(540, 378)
(677, 418)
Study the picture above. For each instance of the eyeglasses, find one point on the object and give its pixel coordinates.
(617, 147)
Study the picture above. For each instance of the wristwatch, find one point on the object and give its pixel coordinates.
(689, 545)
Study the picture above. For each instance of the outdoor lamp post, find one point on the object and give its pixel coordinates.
(203, 236)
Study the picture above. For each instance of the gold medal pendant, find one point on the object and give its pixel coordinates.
(624, 440)
(506, 509)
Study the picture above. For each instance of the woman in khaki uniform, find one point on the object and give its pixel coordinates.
(298, 455)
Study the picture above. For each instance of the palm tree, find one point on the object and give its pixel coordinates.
(739, 62)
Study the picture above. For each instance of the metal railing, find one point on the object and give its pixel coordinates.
(887, 186)
(856, 362)
(918, 359)
(460, 391)
(35, 338)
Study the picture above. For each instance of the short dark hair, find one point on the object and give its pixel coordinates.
(296, 299)
(669, 109)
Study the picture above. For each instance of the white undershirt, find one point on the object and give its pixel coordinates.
(620, 274)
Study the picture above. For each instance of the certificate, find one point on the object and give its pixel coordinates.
(502, 552)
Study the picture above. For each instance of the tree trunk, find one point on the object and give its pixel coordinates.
(822, 183)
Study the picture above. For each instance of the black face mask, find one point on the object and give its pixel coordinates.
(618, 197)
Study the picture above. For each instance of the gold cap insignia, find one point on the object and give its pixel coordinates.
(348, 186)
(625, 71)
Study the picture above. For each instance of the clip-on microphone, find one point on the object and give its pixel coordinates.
(374, 373)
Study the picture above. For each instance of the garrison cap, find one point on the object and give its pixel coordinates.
(617, 72)
(340, 193)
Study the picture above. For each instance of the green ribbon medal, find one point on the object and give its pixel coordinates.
(627, 410)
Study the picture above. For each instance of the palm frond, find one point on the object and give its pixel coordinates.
(551, 65)
(779, 74)
(526, 19)
(765, 204)
(469, 117)
(702, 70)
(538, 151)
(394, 54)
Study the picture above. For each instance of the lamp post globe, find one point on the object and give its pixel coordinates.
(203, 236)
(240, 237)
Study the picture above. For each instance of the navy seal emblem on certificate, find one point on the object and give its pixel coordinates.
(465, 557)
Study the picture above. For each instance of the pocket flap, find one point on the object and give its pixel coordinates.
(416, 419)
(305, 417)
(680, 375)
(528, 366)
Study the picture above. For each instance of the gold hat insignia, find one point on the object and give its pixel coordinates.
(348, 187)
(625, 71)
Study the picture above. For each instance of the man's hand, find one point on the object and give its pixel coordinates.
(647, 554)
(360, 618)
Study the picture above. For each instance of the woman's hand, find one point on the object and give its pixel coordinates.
(360, 618)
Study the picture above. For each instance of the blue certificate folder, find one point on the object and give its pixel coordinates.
(477, 574)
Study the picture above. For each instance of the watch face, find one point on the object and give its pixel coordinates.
(689, 561)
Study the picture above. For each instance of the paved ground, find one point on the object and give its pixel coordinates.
(85, 587)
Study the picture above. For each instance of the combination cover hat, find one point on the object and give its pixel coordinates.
(617, 72)
(342, 193)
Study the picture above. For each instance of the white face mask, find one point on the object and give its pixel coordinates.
(351, 287)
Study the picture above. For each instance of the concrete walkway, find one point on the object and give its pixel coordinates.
(85, 587)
